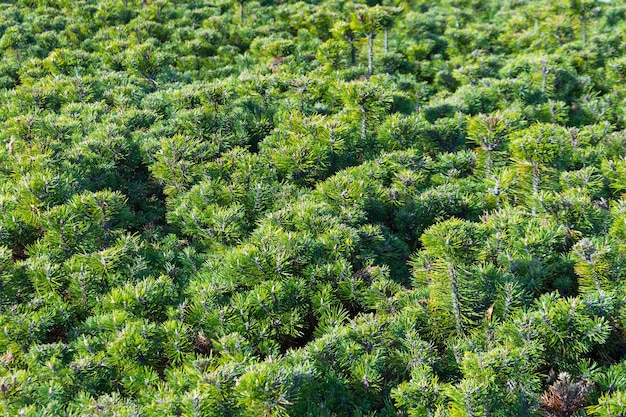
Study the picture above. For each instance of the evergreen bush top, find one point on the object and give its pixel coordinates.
(312, 208)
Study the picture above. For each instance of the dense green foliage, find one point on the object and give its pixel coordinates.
(313, 208)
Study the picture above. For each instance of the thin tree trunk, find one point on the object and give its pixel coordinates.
(536, 180)
(363, 124)
(469, 410)
(331, 141)
(370, 53)
(456, 307)
(488, 165)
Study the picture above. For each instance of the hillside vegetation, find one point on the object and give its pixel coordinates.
(314, 208)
